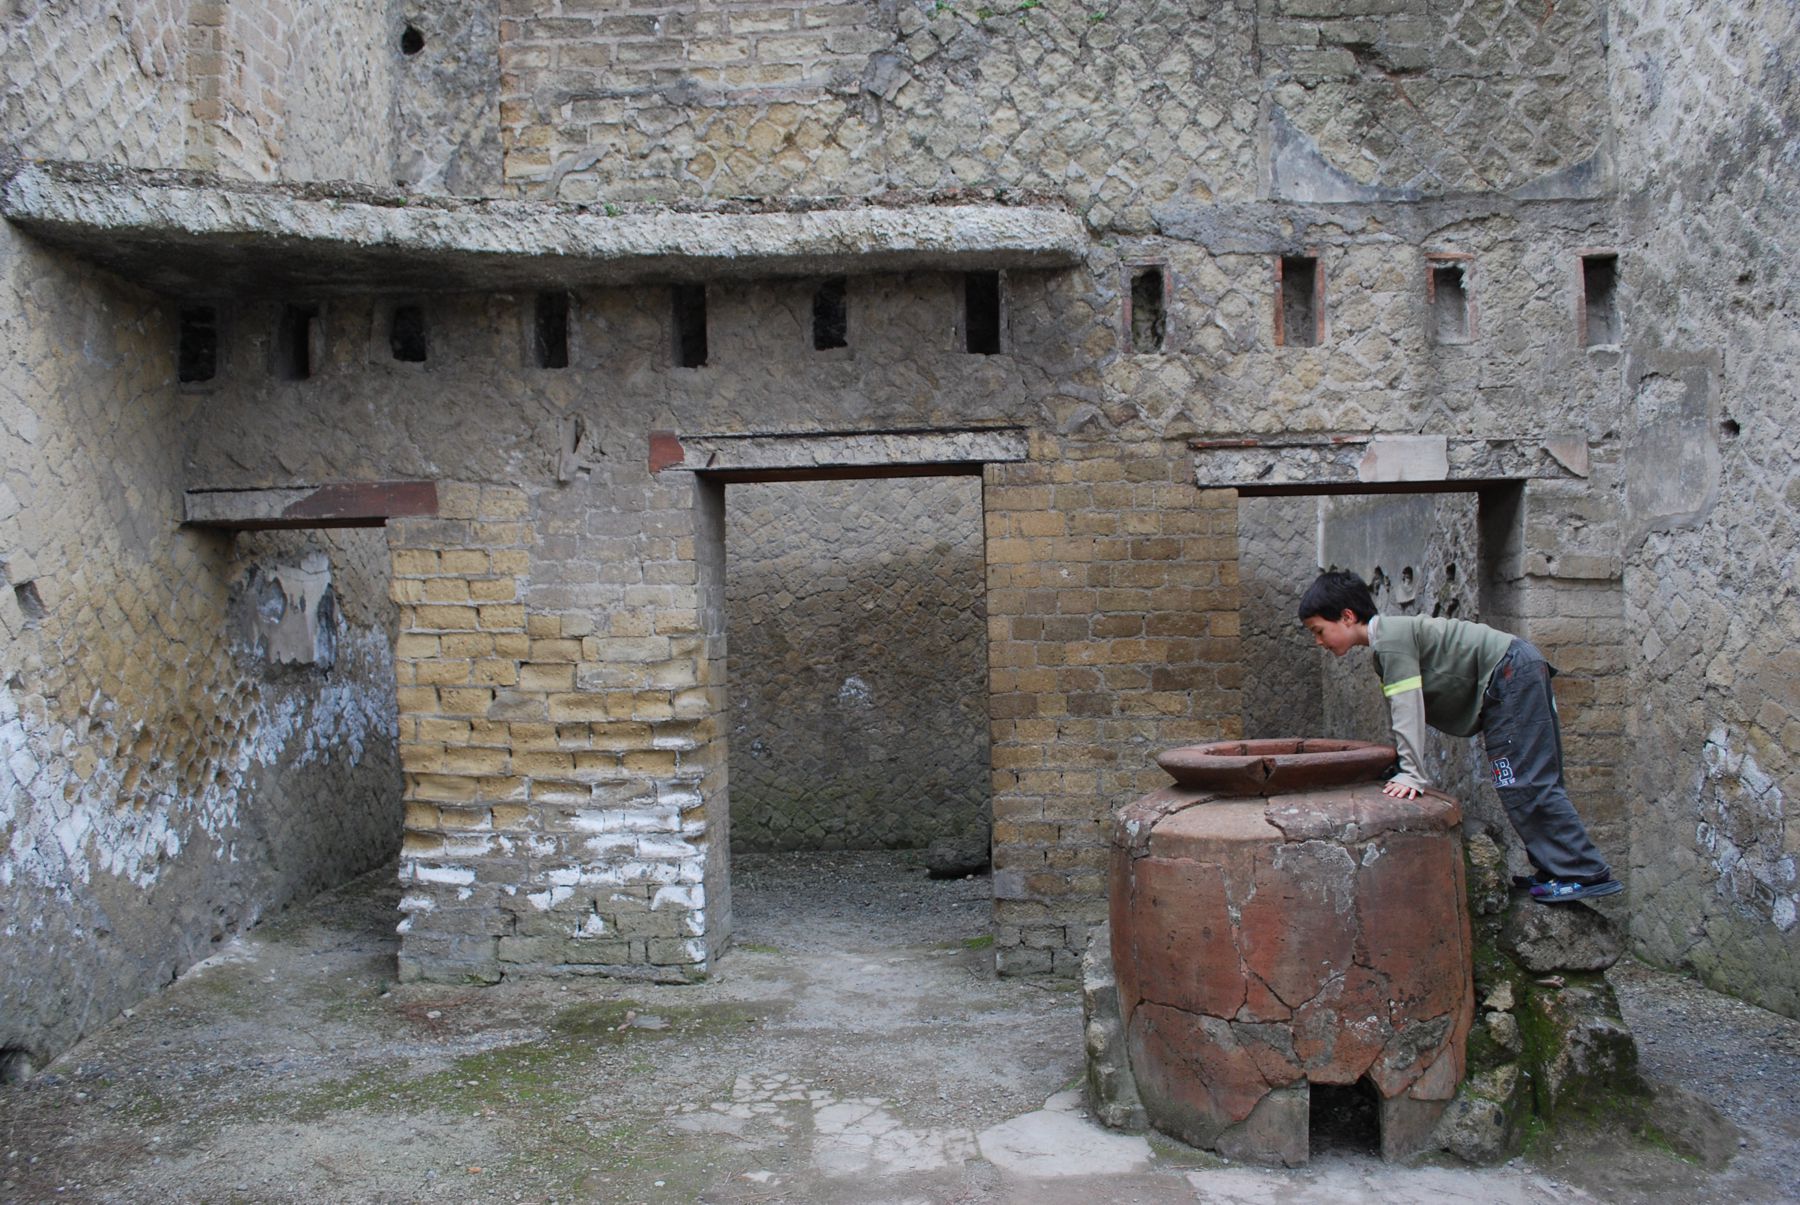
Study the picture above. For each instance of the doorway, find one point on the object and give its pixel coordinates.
(857, 705)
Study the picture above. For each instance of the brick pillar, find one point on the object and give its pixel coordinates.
(1113, 634)
(559, 727)
(1570, 602)
(462, 640)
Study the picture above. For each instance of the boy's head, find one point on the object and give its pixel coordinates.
(1334, 593)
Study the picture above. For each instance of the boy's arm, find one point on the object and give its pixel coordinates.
(1406, 716)
(1403, 685)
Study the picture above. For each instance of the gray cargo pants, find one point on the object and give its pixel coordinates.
(1524, 750)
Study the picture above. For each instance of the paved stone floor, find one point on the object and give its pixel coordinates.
(853, 1047)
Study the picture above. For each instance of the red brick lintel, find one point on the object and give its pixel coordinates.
(339, 504)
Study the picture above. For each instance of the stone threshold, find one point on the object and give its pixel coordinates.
(196, 235)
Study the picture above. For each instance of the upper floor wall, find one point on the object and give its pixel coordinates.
(1118, 108)
(277, 89)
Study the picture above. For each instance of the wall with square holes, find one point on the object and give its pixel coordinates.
(561, 660)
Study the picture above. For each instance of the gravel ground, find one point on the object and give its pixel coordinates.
(854, 1046)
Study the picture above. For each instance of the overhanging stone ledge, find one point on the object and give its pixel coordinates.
(190, 234)
(797, 455)
(1285, 465)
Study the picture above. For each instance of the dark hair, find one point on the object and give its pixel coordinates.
(1333, 594)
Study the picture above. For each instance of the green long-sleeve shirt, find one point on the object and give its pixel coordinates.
(1433, 671)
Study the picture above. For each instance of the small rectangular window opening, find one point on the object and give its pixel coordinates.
(1148, 319)
(981, 313)
(197, 348)
(406, 334)
(831, 315)
(689, 311)
(29, 600)
(550, 332)
(294, 342)
(1298, 309)
(1447, 299)
(1599, 299)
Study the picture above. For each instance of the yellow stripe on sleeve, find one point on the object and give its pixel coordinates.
(1416, 682)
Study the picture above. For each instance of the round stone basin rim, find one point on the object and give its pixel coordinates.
(1276, 766)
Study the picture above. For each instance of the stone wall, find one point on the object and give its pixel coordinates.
(96, 80)
(567, 788)
(1278, 556)
(1112, 584)
(1119, 109)
(279, 89)
(1709, 116)
(447, 99)
(166, 777)
(856, 612)
(285, 89)
(162, 782)
(1416, 97)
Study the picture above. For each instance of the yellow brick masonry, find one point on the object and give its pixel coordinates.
(1113, 625)
(554, 775)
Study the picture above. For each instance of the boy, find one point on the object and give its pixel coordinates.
(1462, 678)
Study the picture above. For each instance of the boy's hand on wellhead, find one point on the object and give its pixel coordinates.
(1400, 790)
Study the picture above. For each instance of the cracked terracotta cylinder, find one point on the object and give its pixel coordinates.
(1278, 922)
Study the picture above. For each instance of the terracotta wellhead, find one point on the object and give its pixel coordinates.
(1277, 923)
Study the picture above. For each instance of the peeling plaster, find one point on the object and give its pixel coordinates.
(64, 828)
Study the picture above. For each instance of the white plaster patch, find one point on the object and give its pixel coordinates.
(448, 875)
(855, 693)
(680, 897)
(657, 818)
(64, 827)
(543, 901)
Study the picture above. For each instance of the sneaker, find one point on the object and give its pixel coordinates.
(1565, 891)
(1529, 880)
